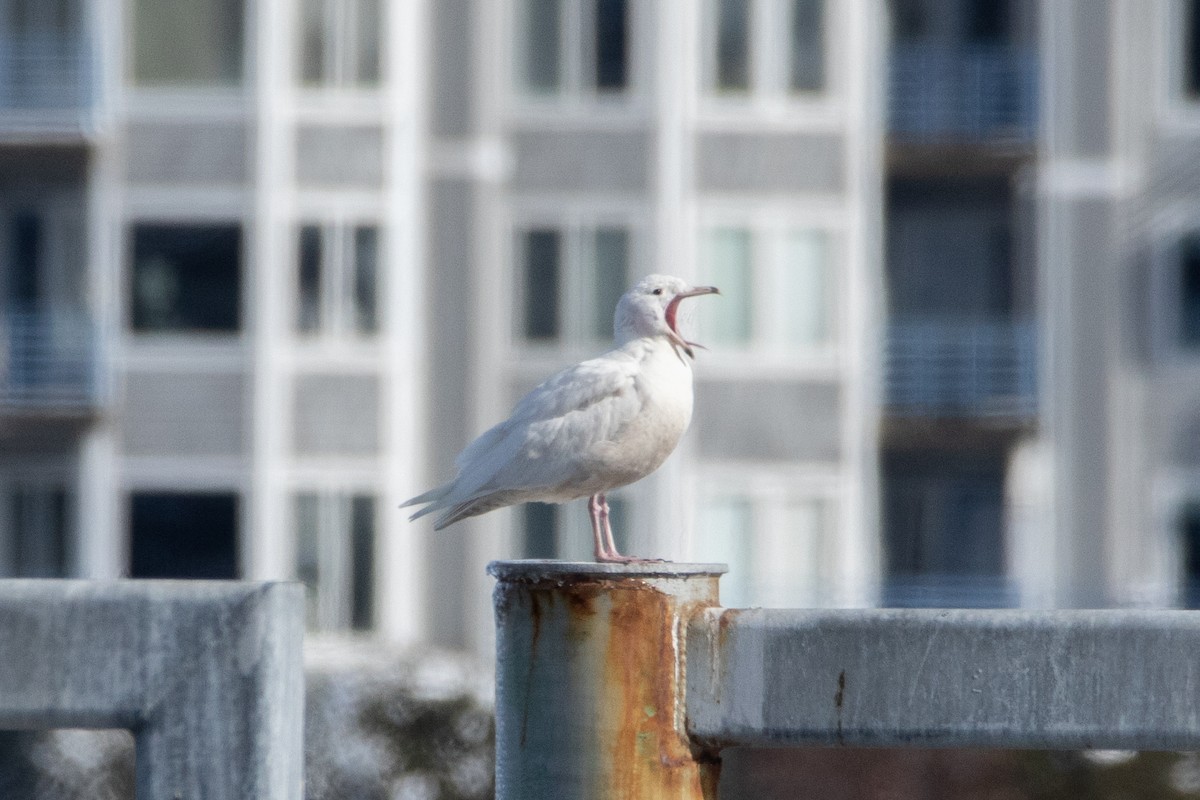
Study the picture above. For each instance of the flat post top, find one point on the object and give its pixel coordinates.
(537, 570)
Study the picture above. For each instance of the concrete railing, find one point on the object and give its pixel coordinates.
(208, 675)
(620, 681)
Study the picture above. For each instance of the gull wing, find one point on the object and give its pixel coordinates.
(545, 442)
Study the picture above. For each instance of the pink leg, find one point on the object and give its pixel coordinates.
(597, 532)
(610, 553)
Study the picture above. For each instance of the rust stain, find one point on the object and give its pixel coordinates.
(727, 618)
(535, 615)
(649, 756)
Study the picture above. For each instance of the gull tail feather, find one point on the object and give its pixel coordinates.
(433, 497)
(474, 506)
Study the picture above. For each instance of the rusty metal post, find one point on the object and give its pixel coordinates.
(590, 680)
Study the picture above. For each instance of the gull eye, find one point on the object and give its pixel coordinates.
(657, 291)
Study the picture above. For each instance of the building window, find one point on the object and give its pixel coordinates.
(186, 277)
(1191, 50)
(341, 45)
(943, 525)
(337, 275)
(766, 47)
(565, 531)
(571, 278)
(183, 535)
(188, 42)
(335, 558)
(573, 46)
(1189, 291)
(777, 543)
(37, 525)
(777, 288)
(1189, 541)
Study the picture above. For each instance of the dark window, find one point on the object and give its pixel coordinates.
(1189, 531)
(807, 45)
(362, 562)
(612, 57)
(366, 270)
(1189, 275)
(25, 245)
(987, 21)
(308, 305)
(39, 525)
(542, 254)
(543, 27)
(186, 277)
(611, 276)
(943, 527)
(733, 45)
(183, 535)
(1191, 49)
(541, 526)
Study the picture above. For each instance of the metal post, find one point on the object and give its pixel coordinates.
(589, 680)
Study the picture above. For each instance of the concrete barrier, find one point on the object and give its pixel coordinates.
(208, 675)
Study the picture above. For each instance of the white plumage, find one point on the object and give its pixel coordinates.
(589, 429)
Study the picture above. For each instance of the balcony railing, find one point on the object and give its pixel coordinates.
(966, 93)
(45, 82)
(48, 361)
(961, 369)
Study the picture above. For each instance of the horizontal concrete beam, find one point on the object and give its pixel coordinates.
(1125, 679)
(207, 674)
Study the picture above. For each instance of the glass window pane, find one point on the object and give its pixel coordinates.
(542, 254)
(1189, 268)
(805, 289)
(612, 56)
(188, 42)
(541, 526)
(186, 277)
(727, 265)
(723, 533)
(799, 583)
(367, 51)
(366, 275)
(1189, 532)
(362, 539)
(308, 305)
(733, 45)
(1191, 49)
(25, 247)
(39, 520)
(807, 65)
(610, 277)
(308, 552)
(540, 62)
(183, 535)
(313, 34)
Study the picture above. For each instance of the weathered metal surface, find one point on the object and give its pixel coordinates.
(207, 674)
(589, 679)
(1126, 679)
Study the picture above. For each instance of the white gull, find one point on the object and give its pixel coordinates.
(589, 429)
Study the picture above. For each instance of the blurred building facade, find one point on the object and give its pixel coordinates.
(269, 264)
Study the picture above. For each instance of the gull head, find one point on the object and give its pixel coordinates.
(650, 308)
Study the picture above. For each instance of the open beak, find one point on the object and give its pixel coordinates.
(673, 309)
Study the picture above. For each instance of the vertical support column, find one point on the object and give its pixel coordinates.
(590, 680)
